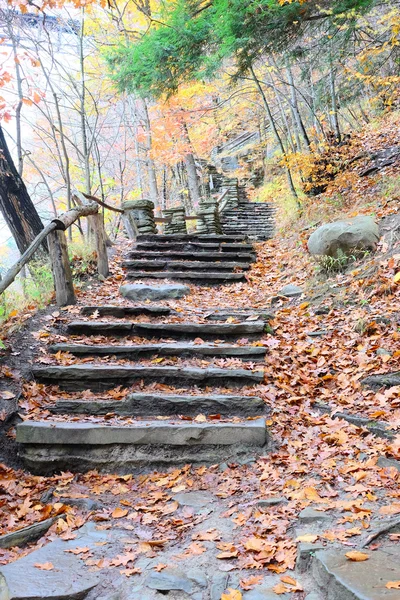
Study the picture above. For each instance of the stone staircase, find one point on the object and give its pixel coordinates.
(201, 258)
(254, 220)
(169, 414)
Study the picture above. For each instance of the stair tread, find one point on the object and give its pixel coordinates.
(165, 404)
(158, 432)
(172, 264)
(110, 310)
(186, 275)
(129, 327)
(160, 349)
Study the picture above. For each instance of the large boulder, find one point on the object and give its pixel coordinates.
(344, 237)
(141, 291)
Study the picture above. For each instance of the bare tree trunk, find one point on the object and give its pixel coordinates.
(16, 205)
(151, 169)
(294, 105)
(277, 136)
(335, 116)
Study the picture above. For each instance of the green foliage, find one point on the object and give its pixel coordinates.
(196, 38)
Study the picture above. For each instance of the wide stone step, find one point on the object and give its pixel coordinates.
(366, 580)
(197, 246)
(184, 266)
(127, 311)
(164, 404)
(162, 238)
(143, 351)
(48, 446)
(149, 330)
(206, 278)
(103, 377)
(241, 257)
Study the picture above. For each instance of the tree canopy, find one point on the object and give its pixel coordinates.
(193, 39)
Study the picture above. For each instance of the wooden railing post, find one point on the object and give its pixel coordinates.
(61, 269)
(101, 245)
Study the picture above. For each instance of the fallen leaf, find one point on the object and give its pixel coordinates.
(119, 512)
(45, 566)
(307, 537)
(231, 594)
(357, 556)
(393, 585)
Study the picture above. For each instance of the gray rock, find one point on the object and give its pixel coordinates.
(347, 580)
(137, 291)
(317, 333)
(343, 237)
(383, 352)
(305, 552)
(198, 577)
(68, 580)
(26, 534)
(387, 463)
(264, 593)
(194, 499)
(218, 585)
(313, 596)
(310, 515)
(265, 502)
(169, 579)
(291, 291)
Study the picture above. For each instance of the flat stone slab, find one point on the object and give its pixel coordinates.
(375, 382)
(127, 311)
(159, 237)
(194, 265)
(310, 515)
(348, 580)
(188, 255)
(243, 352)
(81, 377)
(205, 277)
(291, 291)
(125, 328)
(26, 534)
(138, 292)
(70, 579)
(165, 404)
(197, 499)
(198, 246)
(176, 433)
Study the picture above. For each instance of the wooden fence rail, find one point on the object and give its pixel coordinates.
(58, 249)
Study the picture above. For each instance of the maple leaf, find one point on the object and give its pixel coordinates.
(78, 550)
(48, 566)
(130, 572)
(357, 556)
(281, 588)
(251, 582)
(393, 585)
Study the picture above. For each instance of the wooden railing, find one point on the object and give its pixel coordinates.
(54, 233)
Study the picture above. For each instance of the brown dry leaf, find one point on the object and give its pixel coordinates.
(357, 556)
(231, 594)
(160, 567)
(119, 512)
(251, 582)
(393, 585)
(130, 572)
(281, 588)
(45, 566)
(307, 537)
(78, 550)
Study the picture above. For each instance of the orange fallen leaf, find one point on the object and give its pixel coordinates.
(231, 594)
(45, 566)
(393, 585)
(281, 588)
(118, 512)
(251, 582)
(357, 556)
(307, 537)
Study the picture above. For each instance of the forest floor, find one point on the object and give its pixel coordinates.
(243, 525)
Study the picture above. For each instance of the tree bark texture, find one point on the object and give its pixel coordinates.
(16, 205)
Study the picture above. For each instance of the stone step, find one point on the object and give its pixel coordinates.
(206, 278)
(366, 580)
(164, 404)
(103, 377)
(143, 351)
(159, 330)
(196, 246)
(241, 257)
(162, 238)
(127, 311)
(384, 380)
(183, 266)
(48, 446)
